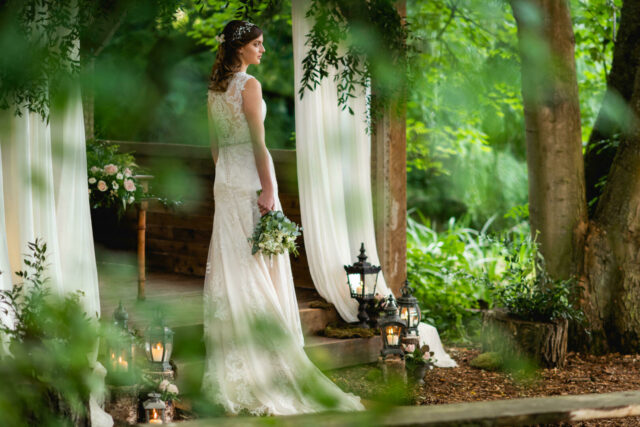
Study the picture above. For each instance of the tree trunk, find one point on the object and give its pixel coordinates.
(613, 251)
(613, 115)
(557, 203)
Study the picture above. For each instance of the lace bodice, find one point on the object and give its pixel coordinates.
(225, 111)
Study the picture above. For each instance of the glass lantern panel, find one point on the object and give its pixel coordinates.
(404, 314)
(167, 351)
(157, 351)
(413, 317)
(392, 335)
(155, 417)
(370, 283)
(355, 283)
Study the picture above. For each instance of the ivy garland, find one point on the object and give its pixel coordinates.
(365, 42)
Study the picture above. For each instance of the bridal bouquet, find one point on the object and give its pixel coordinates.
(275, 234)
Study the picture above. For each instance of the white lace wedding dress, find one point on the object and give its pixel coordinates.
(255, 358)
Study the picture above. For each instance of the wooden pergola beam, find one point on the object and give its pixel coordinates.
(389, 184)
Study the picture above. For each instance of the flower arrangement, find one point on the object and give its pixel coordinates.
(168, 390)
(275, 234)
(112, 181)
(416, 355)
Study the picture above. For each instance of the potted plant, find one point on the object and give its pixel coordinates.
(533, 312)
(418, 360)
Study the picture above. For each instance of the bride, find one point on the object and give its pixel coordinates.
(255, 359)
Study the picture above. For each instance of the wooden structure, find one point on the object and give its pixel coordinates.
(543, 342)
(511, 412)
(177, 240)
(142, 235)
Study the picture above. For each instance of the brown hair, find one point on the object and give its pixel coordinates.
(236, 34)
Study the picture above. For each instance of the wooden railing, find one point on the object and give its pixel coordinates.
(178, 240)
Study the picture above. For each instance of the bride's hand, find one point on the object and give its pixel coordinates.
(266, 202)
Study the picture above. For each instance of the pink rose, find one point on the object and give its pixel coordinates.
(110, 169)
(102, 186)
(129, 185)
(410, 348)
(127, 172)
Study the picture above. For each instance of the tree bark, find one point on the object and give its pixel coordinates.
(612, 117)
(557, 205)
(613, 250)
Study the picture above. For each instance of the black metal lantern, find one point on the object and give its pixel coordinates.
(362, 278)
(409, 309)
(392, 329)
(121, 348)
(154, 409)
(159, 344)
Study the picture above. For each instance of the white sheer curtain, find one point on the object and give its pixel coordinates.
(333, 156)
(44, 189)
(333, 153)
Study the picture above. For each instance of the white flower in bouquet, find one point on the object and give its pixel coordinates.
(131, 199)
(92, 180)
(129, 185)
(95, 169)
(172, 388)
(127, 172)
(115, 185)
(274, 234)
(119, 176)
(102, 186)
(110, 169)
(163, 385)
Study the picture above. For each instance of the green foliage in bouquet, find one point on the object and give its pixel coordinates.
(111, 177)
(46, 370)
(275, 234)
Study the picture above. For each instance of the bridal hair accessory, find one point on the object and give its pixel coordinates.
(220, 38)
(242, 29)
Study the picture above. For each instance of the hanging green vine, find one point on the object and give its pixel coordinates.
(39, 41)
(365, 42)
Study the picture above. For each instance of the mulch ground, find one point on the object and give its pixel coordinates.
(582, 374)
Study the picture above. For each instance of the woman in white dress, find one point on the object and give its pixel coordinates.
(255, 359)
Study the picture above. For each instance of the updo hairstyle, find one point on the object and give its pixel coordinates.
(235, 35)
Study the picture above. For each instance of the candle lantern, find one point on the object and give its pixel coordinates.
(159, 344)
(409, 309)
(154, 409)
(121, 347)
(392, 328)
(362, 278)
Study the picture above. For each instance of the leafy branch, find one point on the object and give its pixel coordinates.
(364, 42)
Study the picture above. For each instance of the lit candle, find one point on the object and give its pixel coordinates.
(155, 419)
(156, 352)
(403, 314)
(123, 364)
(392, 339)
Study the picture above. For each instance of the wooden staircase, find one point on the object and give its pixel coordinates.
(181, 296)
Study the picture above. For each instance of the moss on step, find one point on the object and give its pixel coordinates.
(344, 330)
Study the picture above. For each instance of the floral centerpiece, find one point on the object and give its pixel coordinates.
(111, 174)
(275, 234)
(418, 360)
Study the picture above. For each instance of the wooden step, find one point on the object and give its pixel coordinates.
(325, 353)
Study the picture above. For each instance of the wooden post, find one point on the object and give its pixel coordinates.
(142, 229)
(389, 184)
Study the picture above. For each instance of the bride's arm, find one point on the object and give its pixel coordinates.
(252, 105)
(213, 141)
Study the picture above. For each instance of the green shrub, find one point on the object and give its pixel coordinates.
(451, 269)
(47, 373)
